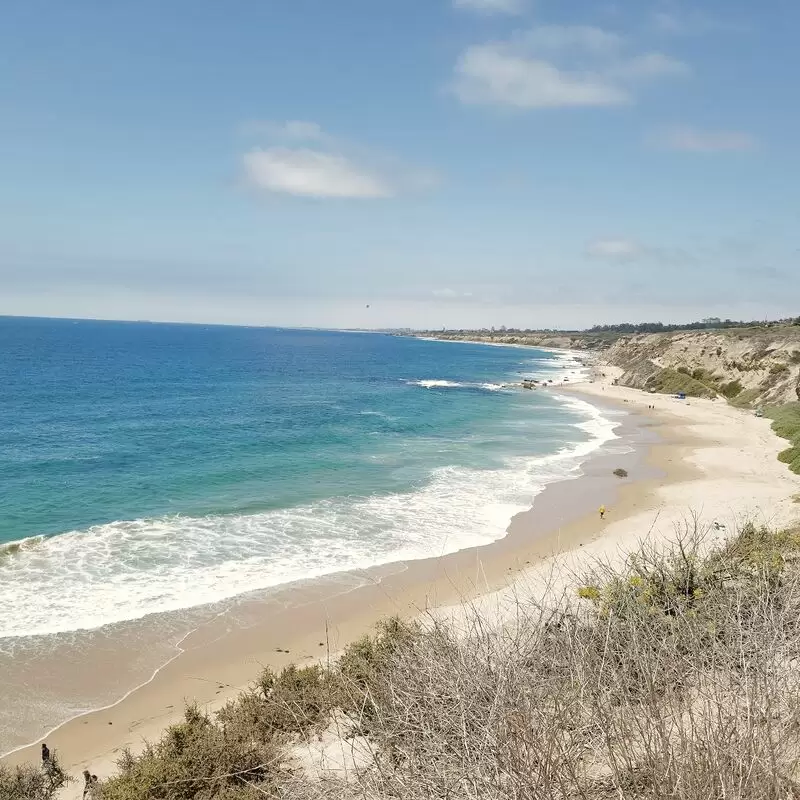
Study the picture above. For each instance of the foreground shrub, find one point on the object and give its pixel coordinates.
(32, 783)
(675, 676)
(197, 759)
(291, 701)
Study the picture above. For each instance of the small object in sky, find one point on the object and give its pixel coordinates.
(367, 305)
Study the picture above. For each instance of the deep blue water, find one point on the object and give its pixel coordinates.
(151, 467)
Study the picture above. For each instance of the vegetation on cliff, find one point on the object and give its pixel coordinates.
(750, 364)
(786, 423)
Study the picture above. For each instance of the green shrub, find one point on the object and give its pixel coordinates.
(745, 398)
(363, 658)
(786, 423)
(197, 759)
(362, 665)
(669, 381)
(589, 593)
(791, 456)
(33, 783)
(292, 701)
(778, 369)
(788, 455)
(731, 389)
(756, 550)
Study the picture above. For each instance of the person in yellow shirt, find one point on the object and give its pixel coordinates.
(602, 512)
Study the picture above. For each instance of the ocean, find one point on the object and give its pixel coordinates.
(147, 468)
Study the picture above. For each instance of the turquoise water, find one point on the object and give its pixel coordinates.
(148, 468)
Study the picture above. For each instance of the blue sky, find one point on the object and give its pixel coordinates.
(444, 162)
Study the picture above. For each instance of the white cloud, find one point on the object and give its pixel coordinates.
(699, 141)
(488, 75)
(689, 22)
(312, 173)
(450, 294)
(300, 158)
(583, 38)
(650, 65)
(615, 249)
(296, 130)
(557, 66)
(492, 6)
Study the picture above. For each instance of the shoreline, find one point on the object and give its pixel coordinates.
(437, 580)
(62, 659)
(563, 520)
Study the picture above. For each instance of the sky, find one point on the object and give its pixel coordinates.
(400, 163)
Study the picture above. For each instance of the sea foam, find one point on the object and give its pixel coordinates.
(129, 569)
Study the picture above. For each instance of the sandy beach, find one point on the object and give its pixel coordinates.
(685, 459)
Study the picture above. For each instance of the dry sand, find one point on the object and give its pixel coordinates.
(694, 457)
(728, 474)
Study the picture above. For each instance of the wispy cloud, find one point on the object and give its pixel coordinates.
(676, 21)
(301, 159)
(311, 173)
(451, 294)
(291, 130)
(558, 66)
(622, 250)
(693, 140)
(554, 39)
(492, 6)
(649, 65)
(615, 249)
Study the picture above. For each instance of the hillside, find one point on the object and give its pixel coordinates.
(750, 366)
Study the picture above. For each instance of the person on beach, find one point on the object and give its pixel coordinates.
(87, 783)
(602, 512)
(45, 754)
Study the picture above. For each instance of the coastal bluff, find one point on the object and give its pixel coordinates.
(749, 365)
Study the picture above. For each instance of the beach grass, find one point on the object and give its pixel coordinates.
(671, 381)
(675, 676)
(786, 423)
